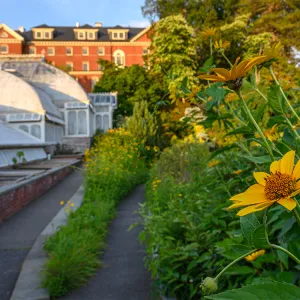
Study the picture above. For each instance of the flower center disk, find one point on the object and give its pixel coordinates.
(279, 186)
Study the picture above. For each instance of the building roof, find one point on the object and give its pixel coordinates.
(19, 96)
(66, 33)
(58, 85)
(14, 137)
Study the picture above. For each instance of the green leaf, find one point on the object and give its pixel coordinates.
(259, 112)
(259, 239)
(266, 291)
(192, 265)
(275, 99)
(240, 270)
(208, 64)
(258, 159)
(249, 224)
(241, 130)
(241, 249)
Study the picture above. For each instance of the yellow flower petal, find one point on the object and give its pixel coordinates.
(275, 166)
(260, 177)
(287, 163)
(253, 208)
(297, 186)
(296, 172)
(288, 203)
(295, 193)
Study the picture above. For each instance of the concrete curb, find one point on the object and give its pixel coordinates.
(28, 286)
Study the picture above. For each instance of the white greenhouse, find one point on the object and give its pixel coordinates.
(49, 106)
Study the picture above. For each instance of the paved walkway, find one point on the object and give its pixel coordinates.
(18, 233)
(123, 276)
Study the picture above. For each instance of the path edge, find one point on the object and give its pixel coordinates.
(28, 285)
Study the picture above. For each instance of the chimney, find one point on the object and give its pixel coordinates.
(98, 24)
(77, 24)
(21, 29)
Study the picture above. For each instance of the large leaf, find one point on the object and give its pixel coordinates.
(249, 224)
(275, 99)
(258, 159)
(240, 270)
(266, 291)
(259, 239)
(209, 63)
(241, 249)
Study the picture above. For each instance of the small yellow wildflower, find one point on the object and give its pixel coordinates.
(180, 195)
(255, 255)
(213, 163)
(220, 45)
(72, 205)
(272, 52)
(272, 134)
(209, 32)
(61, 202)
(237, 172)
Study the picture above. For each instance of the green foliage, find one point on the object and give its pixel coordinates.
(173, 52)
(266, 291)
(133, 84)
(113, 168)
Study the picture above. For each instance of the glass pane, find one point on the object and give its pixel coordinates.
(82, 126)
(98, 122)
(24, 128)
(105, 122)
(72, 123)
(36, 131)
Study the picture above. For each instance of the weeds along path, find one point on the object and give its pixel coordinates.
(123, 275)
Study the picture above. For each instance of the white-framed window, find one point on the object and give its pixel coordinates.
(85, 51)
(69, 65)
(85, 66)
(77, 122)
(69, 51)
(32, 50)
(91, 35)
(3, 49)
(3, 35)
(51, 51)
(119, 57)
(115, 35)
(101, 51)
(38, 35)
(47, 35)
(145, 51)
(121, 35)
(81, 35)
(35, 130)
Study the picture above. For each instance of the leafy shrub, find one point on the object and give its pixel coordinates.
(112, 169)
(188, 232)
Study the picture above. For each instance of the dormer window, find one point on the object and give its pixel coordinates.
(47, 35)
(81, 35)
(118, 34)
(43, 33)
(91, 36)
(38, 35)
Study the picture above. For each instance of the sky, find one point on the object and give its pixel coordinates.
(30, 13)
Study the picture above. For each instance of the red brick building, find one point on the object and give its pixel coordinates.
(78, 48)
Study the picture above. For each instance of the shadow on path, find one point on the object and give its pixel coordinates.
(123, 275)
(18, 233)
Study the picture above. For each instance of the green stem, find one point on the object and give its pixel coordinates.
(235, 115)
(256, 125)
(234, 262)
(283, 94)
(291, 255)
(210, 46)
(223, 54)
(296, 215)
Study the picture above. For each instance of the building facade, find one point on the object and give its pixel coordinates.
(78, 49)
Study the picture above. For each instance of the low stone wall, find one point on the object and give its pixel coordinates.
(19, 195)
(76, 144)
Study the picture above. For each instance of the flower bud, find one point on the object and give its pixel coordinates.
(209, 285)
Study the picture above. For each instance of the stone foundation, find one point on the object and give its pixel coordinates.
(76, 144)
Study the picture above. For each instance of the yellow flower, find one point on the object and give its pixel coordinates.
(278, 187)
(237, 71)
(272, 52)
(209, 32)
(72, 205)
(237, 172)
(272, 133)
(213, 163)
(180, 195)
(255, 255)
(61, 202)
(222, 45)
